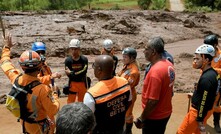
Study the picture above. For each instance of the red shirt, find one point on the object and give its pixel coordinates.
(158, 85)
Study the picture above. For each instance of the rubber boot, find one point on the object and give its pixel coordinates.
(216, 118)
(128, 128)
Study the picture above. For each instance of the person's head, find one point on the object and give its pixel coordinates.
(75, 118)
(203, 56)
(74, 47)
(107, 47)
(30, 61)
(129, 55)
(211, 40)
(154, 49)
(103, 67)
(40, 48)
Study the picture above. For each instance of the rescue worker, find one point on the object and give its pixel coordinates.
(216, 64)
(109, 50)
(109, 99)
(76, 69)
(204, 96)
(46, 103)
(46, 76)
(130, 71)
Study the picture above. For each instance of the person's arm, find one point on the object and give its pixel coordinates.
(150, 106)
(68, 67)
(50, 101)
(46, 79)
(115, 64)
(204, 88)
(130, 98)
(205, 99)
(154, 89)
(8, 68)
(84, 69)
(133, 80)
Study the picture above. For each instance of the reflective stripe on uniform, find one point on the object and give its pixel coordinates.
(34, 107)
(112, 94)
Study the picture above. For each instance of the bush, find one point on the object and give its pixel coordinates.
(116, 7)
(158, 4)
(152, 4)
(144, 4)
(202, 5)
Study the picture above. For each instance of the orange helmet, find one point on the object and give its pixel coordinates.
(29, 60)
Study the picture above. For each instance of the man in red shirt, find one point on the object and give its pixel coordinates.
(157, 90)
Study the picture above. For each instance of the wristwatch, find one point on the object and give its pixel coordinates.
(140, 119)
(202, 127)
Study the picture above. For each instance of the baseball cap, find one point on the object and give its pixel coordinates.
(74, 43)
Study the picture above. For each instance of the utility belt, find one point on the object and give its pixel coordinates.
(77, 80)
(70, 92)
(31, 121)
(45, 125)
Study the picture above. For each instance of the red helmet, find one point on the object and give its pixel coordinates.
(29, 60)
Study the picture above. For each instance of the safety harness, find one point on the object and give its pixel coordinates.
(20, 93)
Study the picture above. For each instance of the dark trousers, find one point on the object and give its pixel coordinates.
(155, 126)
(216, 118)
(108, 132)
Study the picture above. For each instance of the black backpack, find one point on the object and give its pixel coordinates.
(16, 101)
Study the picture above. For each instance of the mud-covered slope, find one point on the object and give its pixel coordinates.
(125, 28)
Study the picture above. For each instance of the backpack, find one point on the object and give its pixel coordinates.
(16, 101)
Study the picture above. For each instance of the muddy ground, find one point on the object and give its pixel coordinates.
(182, 32)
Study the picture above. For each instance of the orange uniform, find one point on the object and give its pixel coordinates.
(47, 104)
(45, 78)
(45, 74)
(190, 125)
(216, 64)
(132, 74)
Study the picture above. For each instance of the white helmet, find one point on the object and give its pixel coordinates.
(108, 44)
(205, 49)
(74, 43)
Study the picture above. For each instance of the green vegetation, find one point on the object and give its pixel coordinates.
(152, 4)
(114, 4)
(40, 5)
(203, 5)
